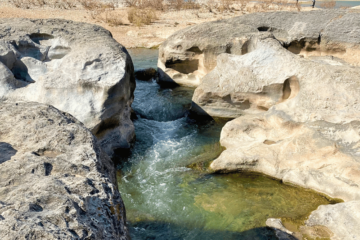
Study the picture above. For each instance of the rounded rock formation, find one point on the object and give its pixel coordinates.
(76, 67)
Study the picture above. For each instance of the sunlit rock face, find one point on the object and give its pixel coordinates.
(188, 55)
(272, 78)
(76, 67)
(55, 180)
(291, 82)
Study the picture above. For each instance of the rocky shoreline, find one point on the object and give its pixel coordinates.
(290, 82)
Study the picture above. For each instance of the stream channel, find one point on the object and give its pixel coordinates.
(167, 199)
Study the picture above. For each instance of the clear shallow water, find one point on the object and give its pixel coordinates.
(165, 199)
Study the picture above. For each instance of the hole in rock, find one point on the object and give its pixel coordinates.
(297, 47)
(48, 168)
(291, 88)
(269, 142)
(228, 49)
(185, 67)
(21, 72)
(189, 65)
(35, 208)
(195, 50)
(38, 37)
(245, 47)
(264, 29)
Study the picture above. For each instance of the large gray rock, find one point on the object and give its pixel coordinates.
(188, 55)
(76, 67)
(55, 180)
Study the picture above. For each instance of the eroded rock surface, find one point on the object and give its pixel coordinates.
(291, 82)
(76, 67)
(270, 76)
(55, 180)
(188, 55)
(343, 219)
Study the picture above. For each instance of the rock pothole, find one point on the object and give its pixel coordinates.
(26, 58)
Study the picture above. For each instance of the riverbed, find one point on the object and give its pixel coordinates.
(169, 192)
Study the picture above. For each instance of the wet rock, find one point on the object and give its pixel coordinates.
(76, 67)
(188, 55)
(55, 180)
(146, 74)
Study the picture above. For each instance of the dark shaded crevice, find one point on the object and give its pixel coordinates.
(264, 29)
(48, 168)
(291, 88)
(37, 37)
(6, 152)
(35, 208)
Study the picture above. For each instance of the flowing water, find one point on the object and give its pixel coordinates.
(167, 199)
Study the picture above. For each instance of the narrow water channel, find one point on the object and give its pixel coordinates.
(166, 199)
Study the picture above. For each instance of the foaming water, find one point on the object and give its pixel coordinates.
(165, 199)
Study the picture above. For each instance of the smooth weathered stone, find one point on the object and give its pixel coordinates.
(272, 77)
(294, 94)
(343, 219)
(188, 55)
(317, 155)
(55, 180)
(76, 67)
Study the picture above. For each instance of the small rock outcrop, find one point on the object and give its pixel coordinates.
(55, 180)
(76, 67)
(188, 55)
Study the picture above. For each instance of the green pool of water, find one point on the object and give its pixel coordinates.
(168, 197)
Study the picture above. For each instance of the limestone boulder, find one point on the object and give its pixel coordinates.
(76, 67)
(306, 89)
(56, 182)
(318, 155)
(343, 219)
(188, 55)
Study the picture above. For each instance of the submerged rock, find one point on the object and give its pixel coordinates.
(55, 180)
(76, 67)
(188, 55)
(146, 74)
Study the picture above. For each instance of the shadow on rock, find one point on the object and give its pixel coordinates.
(164, 80)
(6, 152)
(198, 114)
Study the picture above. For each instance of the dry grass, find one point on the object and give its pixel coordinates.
(140, 17)
(144, 4)
(113, 19)
(328, 4)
